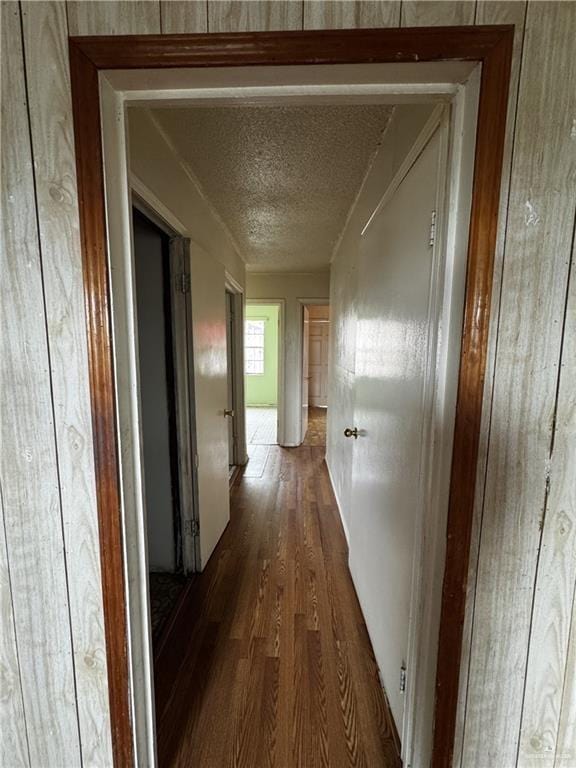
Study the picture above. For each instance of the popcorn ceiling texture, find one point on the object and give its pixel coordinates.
(282, 178)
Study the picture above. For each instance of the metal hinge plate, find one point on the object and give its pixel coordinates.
(432, 239)
(402, 678)
(183, 283)
(192, 528)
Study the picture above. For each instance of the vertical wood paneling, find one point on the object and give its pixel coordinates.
(537, 250)
(183, 16)
(13, 746)
(563, 499)
(45, 39)
(113, 17)
(32, 514)
(490, 12)
(547, 660)
(434, 13)
(254, 15)
(566, 743)
(351, 14)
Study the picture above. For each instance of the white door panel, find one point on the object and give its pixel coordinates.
(211, 389)
(394, 288)
(318, 363)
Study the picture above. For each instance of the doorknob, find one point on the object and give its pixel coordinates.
(351, 432)
(228, 412)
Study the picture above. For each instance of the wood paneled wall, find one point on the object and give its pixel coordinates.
(518, 691)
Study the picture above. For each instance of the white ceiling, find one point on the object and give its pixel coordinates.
(282, 178)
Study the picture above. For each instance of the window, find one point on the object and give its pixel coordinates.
(254, 347)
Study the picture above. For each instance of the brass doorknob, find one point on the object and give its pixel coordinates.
(228, 412)
(351, 432)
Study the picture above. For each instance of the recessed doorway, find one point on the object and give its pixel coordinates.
(315, 353)
(262, 364)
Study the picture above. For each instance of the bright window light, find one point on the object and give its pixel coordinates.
(254, 347)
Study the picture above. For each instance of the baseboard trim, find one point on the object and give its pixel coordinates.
(338, 505)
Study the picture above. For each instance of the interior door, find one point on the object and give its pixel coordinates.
(211, 395)
(230, 355)
(395, 283)
(318, 363)
(305, 368)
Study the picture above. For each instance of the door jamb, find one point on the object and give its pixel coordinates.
(233, 287)
(490, 45)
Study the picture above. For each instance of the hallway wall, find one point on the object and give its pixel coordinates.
(518, 696)
(290, 286)
(156, 164)
(403, 129)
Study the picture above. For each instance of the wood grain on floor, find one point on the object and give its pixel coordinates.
(316, 432)
(274, 665)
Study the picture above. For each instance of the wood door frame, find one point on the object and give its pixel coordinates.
(492, 46)
(237, 292)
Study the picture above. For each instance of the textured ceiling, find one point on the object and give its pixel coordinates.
(282, 178)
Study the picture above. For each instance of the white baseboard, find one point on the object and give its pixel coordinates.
(342, 520)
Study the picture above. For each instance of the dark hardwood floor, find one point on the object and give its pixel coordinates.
(270, 663)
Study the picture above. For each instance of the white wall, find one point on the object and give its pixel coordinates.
(156, 164)
(405, 125)
(291, 287)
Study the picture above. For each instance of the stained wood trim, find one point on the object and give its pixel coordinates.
(239, 49)
(491, 134)
(490, 45)
(90, 173)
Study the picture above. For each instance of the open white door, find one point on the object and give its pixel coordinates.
(396, 280)
(305, 370)
(211, 396)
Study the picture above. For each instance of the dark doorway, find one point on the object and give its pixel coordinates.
(158, 414)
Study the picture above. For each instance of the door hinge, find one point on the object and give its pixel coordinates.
(196, 460)
(183, 282)
(402, 678)
(192, 528)
(432, 240)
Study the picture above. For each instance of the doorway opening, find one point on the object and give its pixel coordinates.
(115, 438)
(234, 411)
(262, 376)
(315, 352)
(166, 431)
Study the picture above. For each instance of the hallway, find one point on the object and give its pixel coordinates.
(276, 666)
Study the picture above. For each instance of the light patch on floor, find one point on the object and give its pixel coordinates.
(261, 426)
(261, 434)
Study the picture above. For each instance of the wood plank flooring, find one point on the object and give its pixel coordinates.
(271, 664)
(316, 432)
